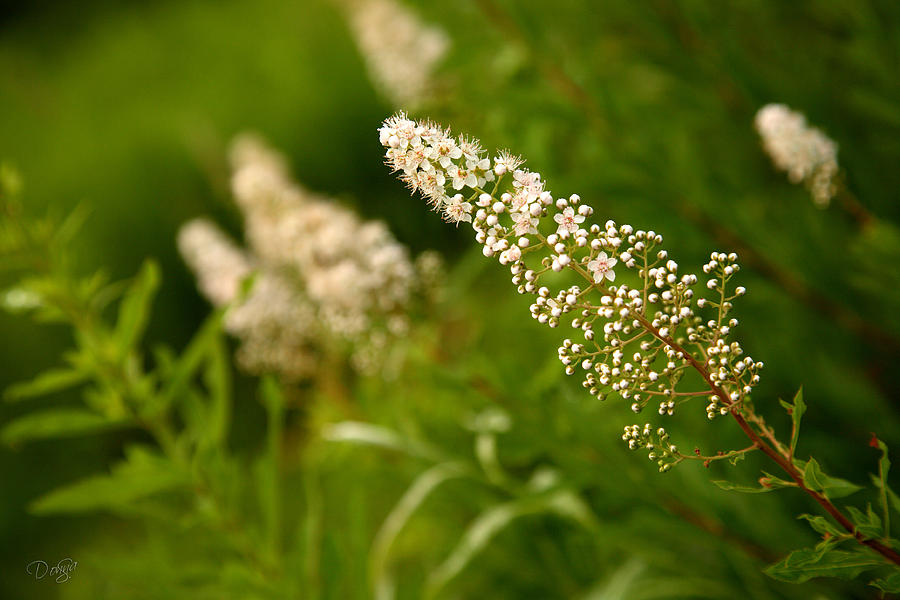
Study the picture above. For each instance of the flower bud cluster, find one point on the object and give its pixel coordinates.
(659, 448)
(804, 152)
(325, 280)
(648, 339)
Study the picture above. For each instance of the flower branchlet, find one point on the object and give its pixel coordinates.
(637, 339)
(647, 332)
(659, 449)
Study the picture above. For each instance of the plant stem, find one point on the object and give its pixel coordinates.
(777, 451)
(786, 465)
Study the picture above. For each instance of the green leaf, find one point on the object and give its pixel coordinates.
(823, 526)
(868, 523)
(802, 565)
(202, 345)
(888, 497)
(400, 515)
(217, 377)
(620, 583)
(770, 481)
(734, 487)
(796, 410)
(482, 530)
(142, 474)
(813, 475)
(48, 382)
(890, 584)
(831, 487)
(58, 422)
(134, 309)
(270, 463)
(357, 432)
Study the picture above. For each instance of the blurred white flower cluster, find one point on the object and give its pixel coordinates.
(322, 279)
(804, 152)
(400, 51)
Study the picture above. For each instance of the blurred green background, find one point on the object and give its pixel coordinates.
(643, 108)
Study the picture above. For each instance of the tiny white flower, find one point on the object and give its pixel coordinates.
(461, 177)
(568, 221)
(456, 211)
(602, 267)
(524, 223)
(471, 149)
(444, 150)
(505, 162)
(482, 170)
(528, 183)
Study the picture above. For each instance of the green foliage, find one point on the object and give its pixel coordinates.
(55, 423)
(831, 487)
(142, 474)
(823, 561)
(796, 410)
(226, 487)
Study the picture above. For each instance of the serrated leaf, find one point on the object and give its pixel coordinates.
(890, 584)
(888, 497)
(831, 487)
(48, 382)
(823, 526)
(796, 410)
(802, 565)
(142, 474)
(813, 476)
(58, 422)
(868, 523)
(134, 308)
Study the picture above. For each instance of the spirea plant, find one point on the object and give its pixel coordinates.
(645, 332)
(320, 281)
(806, 154)
(400, 50)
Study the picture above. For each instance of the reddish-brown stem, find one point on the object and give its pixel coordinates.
(853, 207)
(784, 462)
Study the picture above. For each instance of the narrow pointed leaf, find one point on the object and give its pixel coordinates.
(48, 382)
(802, 565)
(134, 309)
(58, 422)
(142, 474)
(400, 515)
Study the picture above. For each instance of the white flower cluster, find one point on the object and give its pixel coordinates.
(804, 152)
(325, 280)
(276, 324)
(640, 341)
(400, 51)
